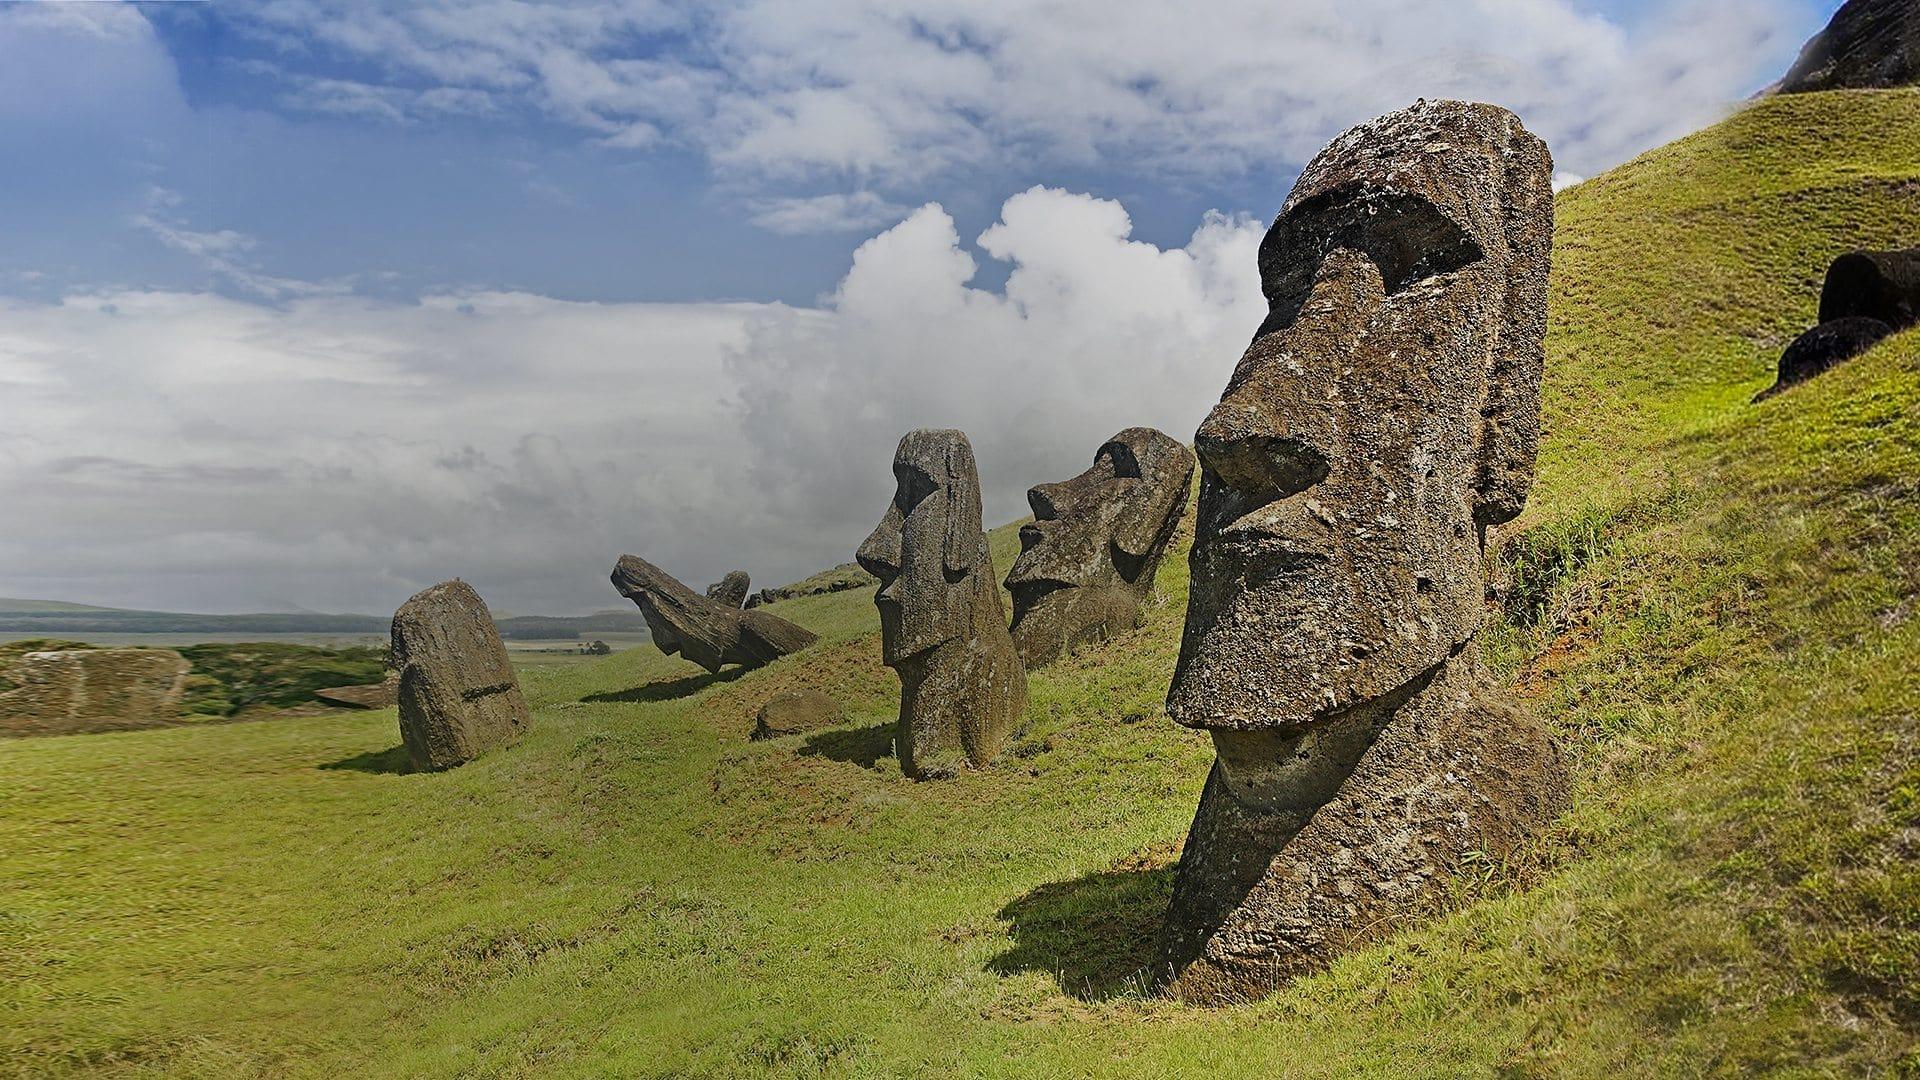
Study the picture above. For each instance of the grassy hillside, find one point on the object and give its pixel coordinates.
(1718, 608)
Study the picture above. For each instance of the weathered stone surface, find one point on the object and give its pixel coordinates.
(1384, 417)
(839, 579)
(378, 695)
(797, 712)
(704, 631)
(942, 625)
(1883, 285)
(1823, 347)
(1088, 559)
(458, 695)
(731, 590)
(1870, 44)
(69, 691)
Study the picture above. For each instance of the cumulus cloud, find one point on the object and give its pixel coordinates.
(187, 450)
(890, 95)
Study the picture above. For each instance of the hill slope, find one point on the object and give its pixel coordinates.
(1718, 607)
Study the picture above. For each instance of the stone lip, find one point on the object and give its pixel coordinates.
(707, 632)
(943, 626)
(1869, 44)
(457, 691)
(1088, 558)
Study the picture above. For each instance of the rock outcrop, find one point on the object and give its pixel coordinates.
(1088, 559)
(839, 579)
(943, 628)
(70, 691)
(704, 631)
(796, 713)
(458, 695)
(1869, 44)
(1867, 296)
(1384, 417)
(731, 590)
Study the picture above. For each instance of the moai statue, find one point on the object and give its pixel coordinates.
(1088, 559)
(1384, 417)
(710, 633)
(943, 628)
(458, 695)
(731, 590)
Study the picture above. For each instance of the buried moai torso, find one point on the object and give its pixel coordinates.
(943, 628)
(1385, 415)
(457, 693)
(711, 633)
(1087, 561)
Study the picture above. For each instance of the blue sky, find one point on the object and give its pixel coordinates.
(563, 280)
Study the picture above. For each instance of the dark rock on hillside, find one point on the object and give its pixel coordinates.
(797, 712)
(1823, 347)
(1384, 418)
(1087, 560)
(69, 691)
(458, 695)
(378, 695)
(943, 628)
(704, 631)
(839, 579)
(1883, 285)
(1870, 44)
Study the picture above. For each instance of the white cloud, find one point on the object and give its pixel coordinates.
(890, 94)
(222, 251)
(187, 450)
(833, 212)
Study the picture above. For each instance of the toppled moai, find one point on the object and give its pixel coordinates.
(1087, 560)
(731, 590)
(707, 632)
(1385, 416)
(1867, 296)
(458, 695)
(943, 628)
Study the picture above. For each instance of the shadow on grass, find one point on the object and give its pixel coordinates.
(1096, 935)
(862, 746)
(393, 760)
(668, 689)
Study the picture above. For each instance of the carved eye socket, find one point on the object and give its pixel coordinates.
(1119, 457)
(913, 487)
(1406, 236)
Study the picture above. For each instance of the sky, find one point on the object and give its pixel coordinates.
(306, 306)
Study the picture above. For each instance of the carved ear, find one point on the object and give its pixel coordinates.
(1510, 413)
(1165, 469)
(961, 552)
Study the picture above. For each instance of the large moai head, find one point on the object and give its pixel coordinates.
(943, 626)
(1386, 413)
(1088, 558)
(457, 692)
(929, 549)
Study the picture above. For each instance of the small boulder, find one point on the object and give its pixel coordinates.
(458, 695)
(797, 712)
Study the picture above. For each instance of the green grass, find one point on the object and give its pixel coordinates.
(1723, 620)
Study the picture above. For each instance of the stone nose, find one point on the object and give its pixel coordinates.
(1046, 500)
(1245, 450)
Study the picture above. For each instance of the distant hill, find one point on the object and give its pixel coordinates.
(53, 617)
(1869, 45)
